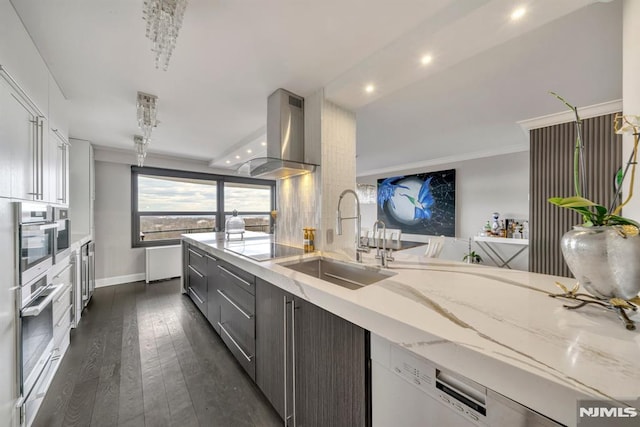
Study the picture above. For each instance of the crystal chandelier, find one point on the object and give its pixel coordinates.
(141, 148)
(146, 111)
(164, 19)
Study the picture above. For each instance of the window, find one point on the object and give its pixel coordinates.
(253, 203)
(168, 203)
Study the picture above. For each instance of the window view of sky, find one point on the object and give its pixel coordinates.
(165, 194)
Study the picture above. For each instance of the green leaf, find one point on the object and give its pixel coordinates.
(620, 220)
(572, 202)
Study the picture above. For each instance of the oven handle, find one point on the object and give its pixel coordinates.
(36, 310)
(48, 226)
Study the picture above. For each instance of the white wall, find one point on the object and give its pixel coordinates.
(631, 87)
(116, 261)
(483, 186)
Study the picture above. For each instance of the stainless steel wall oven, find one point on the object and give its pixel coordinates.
(62, 234)
(35, 239)
(35, 330)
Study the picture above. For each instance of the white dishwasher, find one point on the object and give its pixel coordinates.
(409, 391)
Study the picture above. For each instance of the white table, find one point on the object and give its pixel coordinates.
(487, 243)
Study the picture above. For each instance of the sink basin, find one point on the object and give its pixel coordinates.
(351, 276)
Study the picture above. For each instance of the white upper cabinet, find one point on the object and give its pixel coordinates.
(23, 130)
(58, 114)
(21, 58)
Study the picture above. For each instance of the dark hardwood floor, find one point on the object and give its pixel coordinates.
(143, 355)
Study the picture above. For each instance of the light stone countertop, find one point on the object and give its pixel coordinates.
(495, 326)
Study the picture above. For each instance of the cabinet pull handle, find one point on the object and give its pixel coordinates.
(284, 352)
(235, 343)
(195, 253)
(211, 258)
(293, 358)
(34, 171)
(234, 304)
(41, 125)
(234, 275)
(197, 272)
(196, 295)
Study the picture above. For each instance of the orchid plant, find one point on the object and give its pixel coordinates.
(592, 213)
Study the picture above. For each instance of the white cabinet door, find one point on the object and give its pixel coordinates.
(59, 168)
(7, 104)
(27, 157)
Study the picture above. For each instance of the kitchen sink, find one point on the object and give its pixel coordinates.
(347, 275)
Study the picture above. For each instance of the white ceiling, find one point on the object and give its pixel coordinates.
(487, 72)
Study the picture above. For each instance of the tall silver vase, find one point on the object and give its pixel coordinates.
(605, 263)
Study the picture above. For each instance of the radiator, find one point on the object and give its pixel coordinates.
(163, 262)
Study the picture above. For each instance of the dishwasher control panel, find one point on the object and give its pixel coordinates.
(458, 394)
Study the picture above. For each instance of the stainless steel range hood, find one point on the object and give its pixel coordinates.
(285, 139)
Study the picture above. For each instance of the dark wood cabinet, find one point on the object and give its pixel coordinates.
(213, 297)
(235, 292)
(196, 278)
(312, 365)
(273, 346)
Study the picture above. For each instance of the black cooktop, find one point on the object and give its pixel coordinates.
(262, 251)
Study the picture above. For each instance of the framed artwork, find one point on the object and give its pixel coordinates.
(423, 203)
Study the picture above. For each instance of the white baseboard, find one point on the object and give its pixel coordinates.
(117, 280)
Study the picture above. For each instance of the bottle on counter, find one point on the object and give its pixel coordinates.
(312, 238)
(306, 239)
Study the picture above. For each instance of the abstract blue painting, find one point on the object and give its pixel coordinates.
(423, 203)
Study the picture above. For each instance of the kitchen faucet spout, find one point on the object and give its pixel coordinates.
(359, 248)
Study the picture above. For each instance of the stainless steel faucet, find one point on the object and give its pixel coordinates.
(359, 248)
(376, 236)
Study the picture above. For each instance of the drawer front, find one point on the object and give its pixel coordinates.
(240, 297)
(197, 259)
(198, 300)
(198, 281)
(61, 327)
(62, 302)
(238, 333)
(64, 277)
(237, 276)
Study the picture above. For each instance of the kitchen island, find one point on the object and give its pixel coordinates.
(496, 327)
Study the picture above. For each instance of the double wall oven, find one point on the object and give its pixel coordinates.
(37, 238)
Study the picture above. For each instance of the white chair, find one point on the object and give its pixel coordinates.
(434, 247)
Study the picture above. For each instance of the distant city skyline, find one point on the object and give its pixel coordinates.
(167, 195)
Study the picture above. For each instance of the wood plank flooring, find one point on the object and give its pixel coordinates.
(143, 355)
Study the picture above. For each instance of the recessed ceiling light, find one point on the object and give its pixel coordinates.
(228, 161)
(426, 59)
(237, 157)
(249, 151)
(369, 88)
(518, 13)
(263, 143)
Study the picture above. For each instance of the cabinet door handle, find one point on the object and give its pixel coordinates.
(234, 275)
(41, 125)
(234, 304)
(195, 253)
(246, 356)
(197, 272)
(293, 359)
(284, 352)
(196, 295)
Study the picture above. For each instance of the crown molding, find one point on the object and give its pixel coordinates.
(568, 116)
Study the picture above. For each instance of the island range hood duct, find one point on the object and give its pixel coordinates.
(285, 139)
